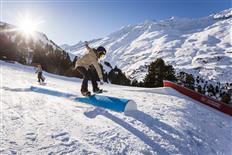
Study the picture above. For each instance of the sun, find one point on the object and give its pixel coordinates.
(28, 25)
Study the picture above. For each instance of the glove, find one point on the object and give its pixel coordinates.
(73, 68)
(101, 82)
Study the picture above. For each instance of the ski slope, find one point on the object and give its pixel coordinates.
(166, 122)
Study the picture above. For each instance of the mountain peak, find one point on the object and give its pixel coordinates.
(225, 14)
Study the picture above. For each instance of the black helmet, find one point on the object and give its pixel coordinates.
(101, 50)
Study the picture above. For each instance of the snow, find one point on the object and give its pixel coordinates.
(166, 122)
(181, 42)
(130, 106)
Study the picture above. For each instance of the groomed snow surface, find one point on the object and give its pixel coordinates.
(166, 122)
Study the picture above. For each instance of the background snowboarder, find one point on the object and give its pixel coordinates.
(40, 73)
(84, 65)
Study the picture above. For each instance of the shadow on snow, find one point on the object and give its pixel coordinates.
(167, 133)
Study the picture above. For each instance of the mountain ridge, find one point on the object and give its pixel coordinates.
(198, 46)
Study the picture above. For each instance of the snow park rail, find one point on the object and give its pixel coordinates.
(201, 98)
(108, 102)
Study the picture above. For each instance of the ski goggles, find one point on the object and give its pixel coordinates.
(101, 54)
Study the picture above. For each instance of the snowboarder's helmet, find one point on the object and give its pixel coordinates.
(101, 51)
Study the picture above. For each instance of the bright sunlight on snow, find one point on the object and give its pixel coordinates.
(166, 122)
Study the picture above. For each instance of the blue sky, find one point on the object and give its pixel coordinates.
(74, 20)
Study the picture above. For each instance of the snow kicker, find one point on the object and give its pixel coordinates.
(112, 103)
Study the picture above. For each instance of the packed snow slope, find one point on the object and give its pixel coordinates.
(198, 46)
(166, 122)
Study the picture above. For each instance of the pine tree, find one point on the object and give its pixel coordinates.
(157, 72)
(226, 98)
(190, 81)
(116, 76)
(134, 82)
(169, 73)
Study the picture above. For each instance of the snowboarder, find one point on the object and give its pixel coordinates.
(84, 65)
(40, 73)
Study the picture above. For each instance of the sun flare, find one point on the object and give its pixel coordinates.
(28, 25)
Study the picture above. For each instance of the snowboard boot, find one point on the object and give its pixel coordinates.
(97, 90)
(85, 93)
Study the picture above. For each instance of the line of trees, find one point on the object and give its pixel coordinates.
(157, 72)
(213, 89)
(15, 47)
(10, 51)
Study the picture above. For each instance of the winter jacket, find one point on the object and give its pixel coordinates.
(90, 59)
(38, 70)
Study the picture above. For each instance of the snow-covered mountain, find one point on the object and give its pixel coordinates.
(198, 46)
(45, 122)
(14, 34)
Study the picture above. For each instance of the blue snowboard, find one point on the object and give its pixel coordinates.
(112, 103)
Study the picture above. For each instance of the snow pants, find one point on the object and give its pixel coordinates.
(87, 75)
(40, 77)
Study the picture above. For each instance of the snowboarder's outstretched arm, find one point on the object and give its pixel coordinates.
(98, 69)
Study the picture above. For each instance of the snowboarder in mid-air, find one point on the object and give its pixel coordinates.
(84, 65)
(40, 73)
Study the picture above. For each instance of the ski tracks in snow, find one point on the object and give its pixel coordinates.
(165, 123)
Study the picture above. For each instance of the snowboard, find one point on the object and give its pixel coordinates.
(43, 78)
(92, 94)
(42, 83)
